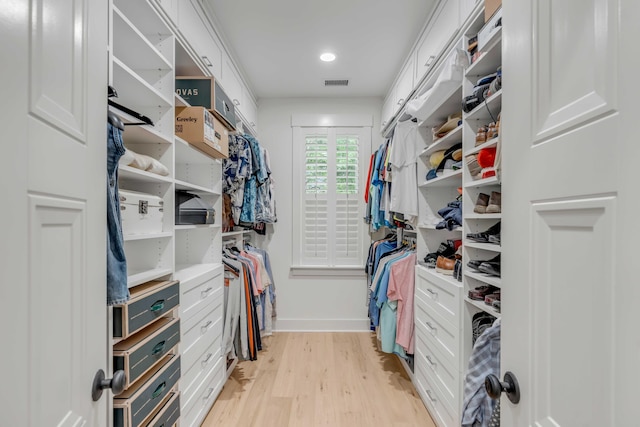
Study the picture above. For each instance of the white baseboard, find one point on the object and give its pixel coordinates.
(321, 325)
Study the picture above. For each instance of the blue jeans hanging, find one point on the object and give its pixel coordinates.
(117, 291)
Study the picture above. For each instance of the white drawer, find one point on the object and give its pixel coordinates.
(199, 332)
(439, 409)
(197, 405)
(438, 332)
(194, 374)
(440, 371)
(198, 292)
(441, 296)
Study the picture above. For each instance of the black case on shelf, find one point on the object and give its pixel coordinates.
(191, 209)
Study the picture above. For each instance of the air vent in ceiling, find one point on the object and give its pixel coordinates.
(336, 82)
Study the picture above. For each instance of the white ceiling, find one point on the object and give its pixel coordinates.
(277, 43)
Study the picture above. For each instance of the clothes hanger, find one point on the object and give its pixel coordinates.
(144, 120)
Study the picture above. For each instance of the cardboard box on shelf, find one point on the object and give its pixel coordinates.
(490, 7)
(200, 128)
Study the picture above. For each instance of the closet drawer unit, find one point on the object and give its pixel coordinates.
(199, 332)
(437, 331)
(132, 407)
(442, 372)
(194, 374)
(199, 292)
(149, 302)
(196, 406)
(440, 296)
(138, 353)
(441, 412)
(168, 414)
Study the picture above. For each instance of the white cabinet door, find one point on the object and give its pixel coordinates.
(231, 82)
(249, 108)
(170, 7)
(570, 223)
(442, 26)
(388, 108)
(404, 86)
(191, 23)
(53, 170)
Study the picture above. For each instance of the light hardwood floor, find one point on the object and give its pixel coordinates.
(319, 379)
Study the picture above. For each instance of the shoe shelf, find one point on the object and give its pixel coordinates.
(128, 173)
(481, 112)
(485, 278)
(483, 307)
(492, 180)
(443, 143)
(489, 61)
(448, 180)
(483, 216)
(484, 246)
(163, 235)
(491, 143)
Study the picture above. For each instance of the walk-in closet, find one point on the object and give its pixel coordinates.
(337, 213)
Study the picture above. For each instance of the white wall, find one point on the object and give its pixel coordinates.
(327, 303)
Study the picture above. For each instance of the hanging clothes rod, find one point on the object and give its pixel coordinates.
(115, 120)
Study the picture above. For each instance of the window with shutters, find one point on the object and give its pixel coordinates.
(330, 230)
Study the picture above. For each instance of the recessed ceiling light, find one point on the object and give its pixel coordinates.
(327, 57)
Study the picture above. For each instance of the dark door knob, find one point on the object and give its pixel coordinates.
(494, 387)
(116, 384)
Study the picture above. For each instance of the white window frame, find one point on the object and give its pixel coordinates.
(331, 125)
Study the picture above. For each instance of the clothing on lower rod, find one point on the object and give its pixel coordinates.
(117, 291)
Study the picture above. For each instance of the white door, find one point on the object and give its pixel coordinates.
(53, 211)
(570, 331)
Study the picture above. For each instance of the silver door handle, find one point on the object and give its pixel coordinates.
(429, 61)
(432, 292)
(204, 327)
(431, 328)
(205, 292)
(430, 396)
(207, 62)
(431, 362)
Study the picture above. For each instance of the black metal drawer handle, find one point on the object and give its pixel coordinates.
(157, 306)
(158, 348)
(158, 391)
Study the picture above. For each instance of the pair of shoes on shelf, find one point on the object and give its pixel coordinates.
(445, 265)
(457, 270)
(491, 266)
(481, 292)
(491, 298)
(446, 249)
(491, 235)
(486, 204)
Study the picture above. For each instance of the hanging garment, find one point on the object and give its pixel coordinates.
(117, 290)
(401, 289)
(235, 170)
(477, 406)
(404, 152)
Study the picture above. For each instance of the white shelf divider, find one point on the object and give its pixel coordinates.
(443, 143)
(482, 306)
(137, 278)
(186, 272)
(183, 185)
(484, 246)
(163, 235)
(486, 278)
(128, 173)
(448, 180)
(491, 143)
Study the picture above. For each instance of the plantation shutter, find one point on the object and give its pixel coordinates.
(315, 239)
(347, 222)
(328, 179)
